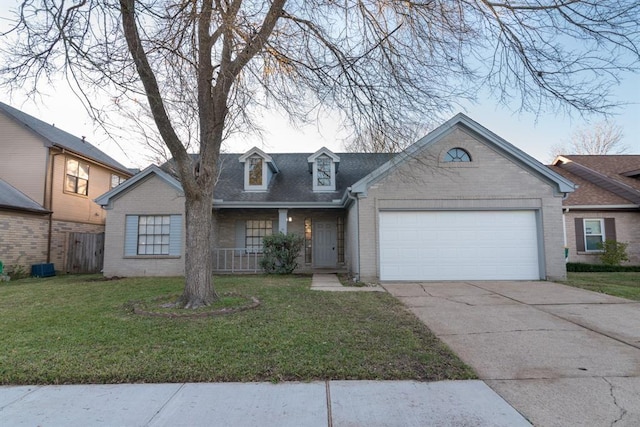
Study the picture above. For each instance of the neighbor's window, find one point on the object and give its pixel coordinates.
(593, 234)
(255, 171)
(457, 155)
(323, 165)
(153, 234)
(116, 180)
(77, 177)
(254, 234)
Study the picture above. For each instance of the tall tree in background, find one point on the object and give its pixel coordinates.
(384, 66)
(601, 138)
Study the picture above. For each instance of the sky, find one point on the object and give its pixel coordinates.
(534, 134)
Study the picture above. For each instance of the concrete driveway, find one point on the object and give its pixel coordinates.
(561, 356)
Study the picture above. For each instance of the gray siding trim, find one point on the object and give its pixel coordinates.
(131, 235)
(453, 204)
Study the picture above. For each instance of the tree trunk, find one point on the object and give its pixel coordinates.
(198, 289)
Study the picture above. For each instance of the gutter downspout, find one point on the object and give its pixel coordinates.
(357, 205)
(52, 158)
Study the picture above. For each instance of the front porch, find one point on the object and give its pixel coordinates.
(245, 260)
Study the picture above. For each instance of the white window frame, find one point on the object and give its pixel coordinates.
(324, 154)
(264, 228)
(116, 180)
(77, 176)
(159, 234)
(602, 233)
(268, 168)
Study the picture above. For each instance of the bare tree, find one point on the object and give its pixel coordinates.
(384, 65)
(601, 138)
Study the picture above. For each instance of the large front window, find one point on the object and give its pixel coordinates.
(255, 232)
(593, 234)
(255, 171)
(153, 234)
(77, 177)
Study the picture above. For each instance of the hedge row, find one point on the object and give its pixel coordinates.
(577, 267)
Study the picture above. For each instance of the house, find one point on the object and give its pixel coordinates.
(48, 180)
(605, 206)
(459, 204)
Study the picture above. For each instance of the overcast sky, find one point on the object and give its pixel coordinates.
(533, 134)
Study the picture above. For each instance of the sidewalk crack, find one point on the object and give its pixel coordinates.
(623, 411)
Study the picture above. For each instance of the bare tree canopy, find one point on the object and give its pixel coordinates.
(205, 68)
(601, 138)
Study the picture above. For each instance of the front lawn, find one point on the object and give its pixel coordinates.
(80, 329)
(619, 284)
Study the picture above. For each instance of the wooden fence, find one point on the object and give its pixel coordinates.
(85, 252)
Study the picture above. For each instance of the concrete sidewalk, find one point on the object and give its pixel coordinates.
(331, 403)
(561, 356)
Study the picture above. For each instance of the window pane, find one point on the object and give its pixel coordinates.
(593, 243)
(255, 171)
(83, 171)
(592, 227)
(70, 184)
(83, 186)
(72, 167)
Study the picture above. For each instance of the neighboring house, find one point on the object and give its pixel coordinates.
(605, 206)
(459, 204)
(48, 180)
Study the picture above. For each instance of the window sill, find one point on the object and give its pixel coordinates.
(590, 252)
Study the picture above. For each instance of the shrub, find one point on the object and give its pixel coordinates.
(280, 253)
(577, 267)
(613, 253)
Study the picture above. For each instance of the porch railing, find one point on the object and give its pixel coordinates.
(236, 260)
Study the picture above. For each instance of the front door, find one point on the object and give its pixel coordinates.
(325, 244)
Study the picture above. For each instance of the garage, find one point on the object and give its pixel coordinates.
(459, 245)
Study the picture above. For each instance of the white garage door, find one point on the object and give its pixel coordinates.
(459, 245)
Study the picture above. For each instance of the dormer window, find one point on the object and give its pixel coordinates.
(255, 171)
(323, 171)
(259, 167)
(323, 165)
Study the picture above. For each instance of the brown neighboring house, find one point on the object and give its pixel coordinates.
(605, 206)
(48, 180)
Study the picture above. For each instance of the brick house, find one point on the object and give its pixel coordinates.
(605, 206)
(459, 204)
(48, 180)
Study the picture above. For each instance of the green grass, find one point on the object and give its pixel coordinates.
(619, 284)
(78, 329)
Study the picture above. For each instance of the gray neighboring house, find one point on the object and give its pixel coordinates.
(459, 204)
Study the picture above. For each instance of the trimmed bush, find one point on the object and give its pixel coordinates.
(577, 267)
(280, 253)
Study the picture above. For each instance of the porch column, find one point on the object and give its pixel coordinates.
(282, 220)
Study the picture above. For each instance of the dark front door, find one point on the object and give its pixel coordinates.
(325, 244)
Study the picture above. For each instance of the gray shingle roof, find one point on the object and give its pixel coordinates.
(60, 138)
(12, 198)
(294, 181)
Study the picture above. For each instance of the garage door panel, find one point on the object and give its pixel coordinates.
(459, 245)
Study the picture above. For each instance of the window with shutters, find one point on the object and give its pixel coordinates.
(153, 235)
(594, 234)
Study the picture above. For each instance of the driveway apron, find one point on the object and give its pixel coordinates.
(561, 356)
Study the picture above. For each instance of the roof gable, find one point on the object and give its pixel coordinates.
(460, 120)
(608, 173)
(107, 198)
(52, 136)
